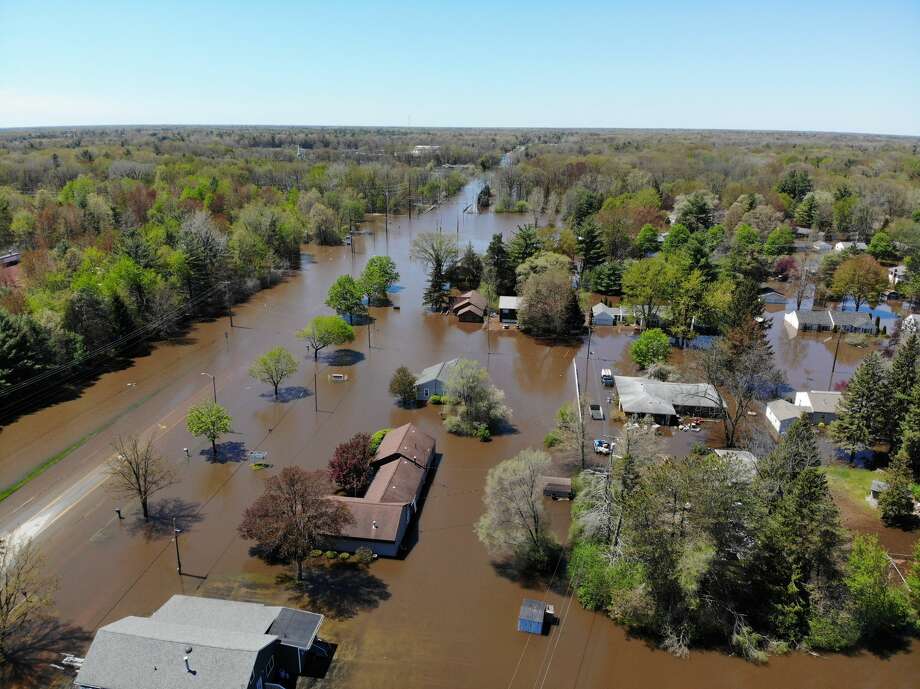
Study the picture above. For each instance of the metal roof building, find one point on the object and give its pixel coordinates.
(644, 396)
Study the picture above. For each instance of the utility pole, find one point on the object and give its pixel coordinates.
(830, 382)
(588, 354)
(315, 391)
(176, 533)
(368, 334)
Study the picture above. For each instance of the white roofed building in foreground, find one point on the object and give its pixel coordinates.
(201, 643)
(666, 401)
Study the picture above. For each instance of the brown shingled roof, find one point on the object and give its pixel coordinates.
(367, 513)
(406, 441)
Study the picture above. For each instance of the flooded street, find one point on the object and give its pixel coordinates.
(441, 617)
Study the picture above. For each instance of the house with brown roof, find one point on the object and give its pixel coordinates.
(382, 517)
(470, 307)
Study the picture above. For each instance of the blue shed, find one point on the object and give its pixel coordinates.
(532, 616)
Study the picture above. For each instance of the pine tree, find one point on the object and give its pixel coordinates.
(436, 296)
(590, 246)
(806, 210)
(574, 316)
(745, 306)
(797, 451)
(524, 244)
(902, 378)
(861, 420)
(897, 502)
(497, 269)
(909, 432)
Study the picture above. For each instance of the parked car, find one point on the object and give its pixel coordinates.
(601, 447)
(597, 412)
(607, 377)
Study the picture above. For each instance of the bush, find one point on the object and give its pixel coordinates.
(377, 438)
(592, 570)
(316, 552)
(329, 555)
(551, 439)
(483, 433)
(363, 556)
(832, 630)
(343, 557)
(436, 399)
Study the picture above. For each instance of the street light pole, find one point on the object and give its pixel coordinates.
(213, 384)
(315, 391)
(176, 533)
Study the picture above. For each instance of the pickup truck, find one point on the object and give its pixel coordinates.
(597, 412)
(601, 447)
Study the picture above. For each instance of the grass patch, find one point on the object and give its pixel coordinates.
(852, 482)
(57, 457)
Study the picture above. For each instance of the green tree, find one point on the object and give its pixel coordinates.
(649, 284)
(677, 237)
(273, 367)
(796, 452)
(880, 609)
(513, 524)
(844, 210)
(696, 212)
(606, 278)
(646, 241)
(897, 501)
(467, 273)
(524, 244)
(402, 386)
(590, 247)
(498, 269)
(806, 211)
(796, 184)
(323, 331)
(549, 305)
(862, 279)
(881, 247)
(861, 416)
(688, 307)
(903, 375)
(378, 276)
(651, 347)
(324, 225)
(208, 420)
(346, 296)
(780, 242)
(475, 404)
(745, 306)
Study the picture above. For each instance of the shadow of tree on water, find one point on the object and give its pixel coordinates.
(27, 662)
(162, 513)
(339, 590)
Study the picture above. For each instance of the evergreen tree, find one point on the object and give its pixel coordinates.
(436, 296)
(590, 246)
(909, 432)
(861, 420)
(902, 378)
(497, 269)
(606, 278)
(897, 502)
(745, 306)
(574, 316)
(796, 452)
(805, 212)
(524, 244)
(647, 240)
(467, 272)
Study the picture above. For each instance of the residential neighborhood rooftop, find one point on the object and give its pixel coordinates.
(647, 396)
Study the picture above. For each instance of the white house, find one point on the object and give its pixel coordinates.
(847, 321)
(508, 309)
(821, 246)
(781, 414)
(820, 405)
(897, 274)
(608, 315)
(843, 246)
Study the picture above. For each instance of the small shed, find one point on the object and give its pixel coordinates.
(877, 488)
(557, 487)
(532, 618)
(601, 314)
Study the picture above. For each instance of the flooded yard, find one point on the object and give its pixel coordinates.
(443, 616)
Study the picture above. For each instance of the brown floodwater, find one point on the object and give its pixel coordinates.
(443, 616)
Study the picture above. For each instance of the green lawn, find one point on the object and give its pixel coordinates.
(852, 481)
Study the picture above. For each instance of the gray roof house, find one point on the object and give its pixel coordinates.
(200, 643)
(847, 321)
(820, 405)
(601, 314)
(768, 295)
(433, 380)
(781, 414)
(666, 401)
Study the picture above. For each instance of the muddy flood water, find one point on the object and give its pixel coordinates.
(443, 616)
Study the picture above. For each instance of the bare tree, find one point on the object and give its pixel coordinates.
(138, 471)
(569, 434)
(25, 592)
(800, 282)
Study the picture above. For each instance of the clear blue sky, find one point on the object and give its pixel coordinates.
(811, 64)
